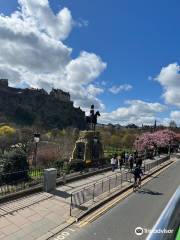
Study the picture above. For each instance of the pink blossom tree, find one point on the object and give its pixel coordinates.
(161, 138)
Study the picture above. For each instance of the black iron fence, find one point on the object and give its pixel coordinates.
(16, 181)
(89, 193)
(19, 180)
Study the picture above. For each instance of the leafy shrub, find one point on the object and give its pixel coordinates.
(15, 166)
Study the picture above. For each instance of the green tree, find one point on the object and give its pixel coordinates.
(8, 137)
(128, 140)
(115, 141)
(15, 165)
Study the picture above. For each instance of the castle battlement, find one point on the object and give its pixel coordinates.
(61, 95)
(55, 93)
(3, 82)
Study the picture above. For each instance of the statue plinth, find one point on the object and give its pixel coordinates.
(88, 148)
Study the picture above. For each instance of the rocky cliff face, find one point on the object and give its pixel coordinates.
(35, 107)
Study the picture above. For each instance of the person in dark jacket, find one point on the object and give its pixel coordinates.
(131, 162)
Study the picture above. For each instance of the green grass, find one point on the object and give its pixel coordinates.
(109, 151)
(34, 174)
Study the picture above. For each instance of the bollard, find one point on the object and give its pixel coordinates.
(50, 176)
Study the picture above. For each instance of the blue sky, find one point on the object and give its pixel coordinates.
(136, 39)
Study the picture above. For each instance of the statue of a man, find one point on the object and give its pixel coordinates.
(92, 111)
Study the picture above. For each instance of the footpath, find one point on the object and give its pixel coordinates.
(40, 215)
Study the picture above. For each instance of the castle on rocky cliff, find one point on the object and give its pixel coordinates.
(56, 93)
(36, 107)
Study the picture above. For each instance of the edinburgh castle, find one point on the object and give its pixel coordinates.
(36, 107)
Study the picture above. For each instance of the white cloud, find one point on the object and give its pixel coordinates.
(137, 112)
(169, 78)
(175, 115)
(40, 14)
(93, 90)
(84, 69)
(120, 88)
(32, 53)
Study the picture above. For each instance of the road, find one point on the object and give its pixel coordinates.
(140, 209)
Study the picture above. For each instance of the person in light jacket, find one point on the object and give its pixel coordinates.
(113, 163)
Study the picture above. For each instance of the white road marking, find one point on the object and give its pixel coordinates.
(63, 235)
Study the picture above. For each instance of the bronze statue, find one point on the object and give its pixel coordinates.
(91, 120)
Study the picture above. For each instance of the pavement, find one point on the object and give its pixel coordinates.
(40, 215)
(139, 209)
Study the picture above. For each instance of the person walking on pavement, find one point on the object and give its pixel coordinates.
(113, 163)
(123, 156)
(120, 162)
(131, 162)
(139, 162)
(126, 159)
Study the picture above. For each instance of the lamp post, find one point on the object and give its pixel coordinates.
(36, 141)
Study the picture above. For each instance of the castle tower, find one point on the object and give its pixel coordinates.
(4, 83)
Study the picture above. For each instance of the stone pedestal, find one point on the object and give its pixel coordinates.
(50, 176)
(88, 148)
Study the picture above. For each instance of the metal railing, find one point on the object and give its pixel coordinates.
(89, 193)
(26, 179)
(167, 226)
(92, 191)
(17, 181)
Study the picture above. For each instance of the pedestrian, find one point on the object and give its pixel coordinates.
(116, 157)
(131, 162)
(126, 159)
(123, 156)
(139, 162)
(113, 163)
(120, 162)
(135, 156)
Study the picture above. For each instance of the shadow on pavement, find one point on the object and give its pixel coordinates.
(61, 194)
(83, 208)
(149, 191)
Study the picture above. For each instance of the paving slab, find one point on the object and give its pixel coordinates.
(42, 214)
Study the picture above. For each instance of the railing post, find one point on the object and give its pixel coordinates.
(71, 206)
(116, 181)
(83, 194)
(121, 180)
(102, 186)
(109, 184)
(94, 191)
(130, 177)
